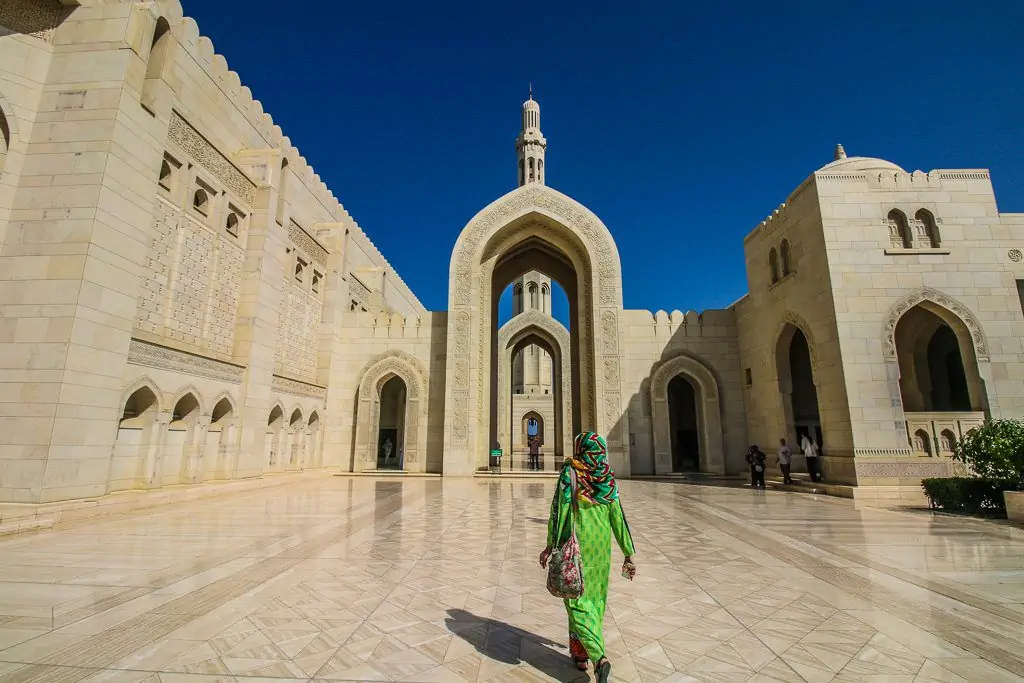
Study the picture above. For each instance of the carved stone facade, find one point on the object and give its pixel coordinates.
(208, 309)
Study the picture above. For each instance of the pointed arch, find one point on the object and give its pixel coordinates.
(223, 396)
(375, 375)
(945, 307)
(144, 381)
(184, 391)
(709, 412)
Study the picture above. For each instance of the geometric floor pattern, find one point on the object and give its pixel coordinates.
(359, 579)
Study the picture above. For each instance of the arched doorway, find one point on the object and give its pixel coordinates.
(533, 228)
(272, 439)
(180, 450)
(391, 427)
(296, 439)
(532, 428)
(138, 438)
(409, 421)
(684, 419)
(939, 381)
(220, 441)
(795, 367)
(686, 416)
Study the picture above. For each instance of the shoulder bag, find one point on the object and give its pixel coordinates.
(565, 568)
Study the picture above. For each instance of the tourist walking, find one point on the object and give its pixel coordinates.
(756, 459)
(810, 448)
(785, 461)
(596, 514)
(534, 453)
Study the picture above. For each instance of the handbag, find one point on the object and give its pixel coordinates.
(565, 566)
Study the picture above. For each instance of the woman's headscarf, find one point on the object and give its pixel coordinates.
(594, 477)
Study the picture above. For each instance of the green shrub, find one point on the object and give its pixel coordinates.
(967, 494)
(994, 451)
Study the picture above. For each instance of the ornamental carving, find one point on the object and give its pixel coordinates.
(568, 212)
(164, 358)
(905, 470)
(936, 297)
(1015, 255)
(199, 148)
(36, 18)
(293, 387)
(303, 240)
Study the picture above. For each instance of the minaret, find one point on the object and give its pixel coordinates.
(530, 144)
(531, 368)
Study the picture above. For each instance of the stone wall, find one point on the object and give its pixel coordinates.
(652, 341)
(161, 234)
(378, 346)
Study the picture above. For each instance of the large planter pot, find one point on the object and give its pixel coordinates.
(1014, 505)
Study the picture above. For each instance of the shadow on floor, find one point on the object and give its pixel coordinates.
(504, 643)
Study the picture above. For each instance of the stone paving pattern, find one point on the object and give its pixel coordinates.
(362, 579)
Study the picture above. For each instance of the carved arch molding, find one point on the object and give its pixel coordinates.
(584, 239)
(508, 336)
(709, 414)
(377, 373)
(965, 315)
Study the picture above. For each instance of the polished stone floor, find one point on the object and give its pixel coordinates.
(356, 579)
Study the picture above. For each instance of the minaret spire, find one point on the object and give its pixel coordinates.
(531, 145)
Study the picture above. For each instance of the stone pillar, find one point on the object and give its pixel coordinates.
(259, 305)
(155, 451)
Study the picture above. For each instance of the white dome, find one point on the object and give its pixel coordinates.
(854, 164)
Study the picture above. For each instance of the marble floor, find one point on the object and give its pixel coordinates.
(357, 579)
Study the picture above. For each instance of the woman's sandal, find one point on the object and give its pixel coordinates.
(603, 670)
(581, 664)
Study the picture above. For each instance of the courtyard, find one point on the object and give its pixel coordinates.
(374, 579)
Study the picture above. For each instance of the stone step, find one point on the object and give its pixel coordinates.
(805, 485)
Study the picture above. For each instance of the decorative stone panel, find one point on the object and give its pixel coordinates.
(192, 141)
(37, 18)
(155, 356)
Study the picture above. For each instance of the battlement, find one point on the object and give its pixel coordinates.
(200, 48)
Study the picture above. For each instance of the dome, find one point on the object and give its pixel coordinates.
(531, 104)
(855, 164)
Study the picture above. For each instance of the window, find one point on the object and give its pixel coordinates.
(300, 269)
(784, 255)
(533, 296)
(929, 231)
(522, 172)
(234, 220)
(748, 377)
(773, 264)
(317, 277)
(540, 169)
(531, 169)
(899, 230)
(201, 201)
(166, 175)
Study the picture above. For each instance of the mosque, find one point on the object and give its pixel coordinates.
(184, 300)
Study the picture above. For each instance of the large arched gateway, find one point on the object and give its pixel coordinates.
(531, 228)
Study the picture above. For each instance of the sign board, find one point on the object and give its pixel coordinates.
(495, 452)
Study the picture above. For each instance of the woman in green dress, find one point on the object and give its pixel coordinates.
(599, 517)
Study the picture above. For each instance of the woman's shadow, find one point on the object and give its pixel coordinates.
(505, 643)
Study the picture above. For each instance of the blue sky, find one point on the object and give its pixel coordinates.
(680, 126)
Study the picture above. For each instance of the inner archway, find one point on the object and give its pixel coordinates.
(220, 440)
(179, 447)
(391, 429)
(684, 423)
(272, 438)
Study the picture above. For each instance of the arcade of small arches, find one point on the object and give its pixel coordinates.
(165, 438)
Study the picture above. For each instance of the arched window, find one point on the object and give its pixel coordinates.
(201, 201)
(533, 296)
(773, 264)
(532, 176)
(231, 224)
(159, 54)
(522, 172)
(899, 230)
(544, 298)
(784, 255)
(929, 231)
(540, 169)
(282, 190)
